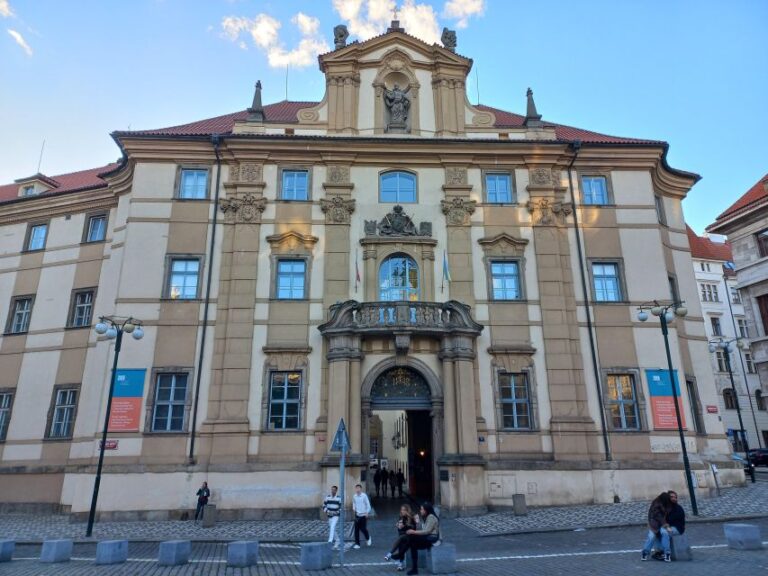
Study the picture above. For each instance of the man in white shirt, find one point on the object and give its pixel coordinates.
(332, 508)
(362, 507)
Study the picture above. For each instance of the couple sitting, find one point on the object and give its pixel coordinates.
(665, 517)
(415, 533)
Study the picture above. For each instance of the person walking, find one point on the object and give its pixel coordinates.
(332, 508)
(400, 482)
(658, 527)
(392, 482)
(384, 481)
(405, 522)
(424, 536)
(377, 481)
(203, 494)
(361, 507)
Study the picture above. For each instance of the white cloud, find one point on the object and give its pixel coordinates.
(463, 10)
(19, 39)
(265, 34)
(420, 20)
(5, 9)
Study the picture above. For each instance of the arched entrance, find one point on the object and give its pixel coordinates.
(402, 419)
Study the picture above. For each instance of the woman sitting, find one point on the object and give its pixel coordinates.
(423, 537)
(405, 522)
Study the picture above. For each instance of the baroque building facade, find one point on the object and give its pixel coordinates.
(391, 249)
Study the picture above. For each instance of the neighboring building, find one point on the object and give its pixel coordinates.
(724, 319)
(389, 252)
(746, 225)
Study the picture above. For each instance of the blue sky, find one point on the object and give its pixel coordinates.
(691, 72)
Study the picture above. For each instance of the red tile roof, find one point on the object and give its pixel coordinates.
(706, 249)
(72, 182)
(752, 197)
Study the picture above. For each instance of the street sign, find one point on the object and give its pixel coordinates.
(341, 438)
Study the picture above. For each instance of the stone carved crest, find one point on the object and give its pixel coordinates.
(548, 212)
(246, 209)
(456, 176)
(338, 174)
(337, 210)
(250, 172)
(234, 172)
(545, 177)
(457, 210)
(397, 223)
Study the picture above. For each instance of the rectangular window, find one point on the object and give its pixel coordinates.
(28, 190)
(194, 184)
(21, 313)
(295, 185)
(595, 190)
(621, 402)
(82, 308)
(762, 242)
(36, 236)
(741, 324)
(284, 400)
(605, 276)
(515, 398)
(96, 230)
(749, 363)
(183, 278)
(709, 293)
(721, 363)
(762, 305)
(735, 296)
(660, 215)
(170, 402)
(505, 281)
(64, 407)
(498, 188)
(397, 187)
(6, 400)
(291, 279)
(716, 329)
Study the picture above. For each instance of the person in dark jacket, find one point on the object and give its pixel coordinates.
(202, 499)
(405, 522)
(658, 527)
(676, 516)
(384, 481)
(377, 480)
(426, 535)
(400, 482)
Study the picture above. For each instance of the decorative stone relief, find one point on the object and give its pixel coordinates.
(250, 172)
(397, 223)
(292, 242)
(337, 210)
(457, 210)
(503, 245)
(234, 172)
(340, 35)
(449, 39)
(338, 174)
(247, 209)
(548, 212)
(456, 176)
(541, 177)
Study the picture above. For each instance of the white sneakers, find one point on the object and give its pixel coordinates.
(356, 547)
(369, 542)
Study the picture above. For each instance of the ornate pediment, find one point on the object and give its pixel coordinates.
(503, 245)
(292, 242)
(397, 223)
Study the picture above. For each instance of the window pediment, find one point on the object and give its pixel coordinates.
(292, 242)
(503, 245)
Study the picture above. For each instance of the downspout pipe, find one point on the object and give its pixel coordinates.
(576, 147)
(216, 141)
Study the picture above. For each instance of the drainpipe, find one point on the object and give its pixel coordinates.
(576, 146)
(216, 141)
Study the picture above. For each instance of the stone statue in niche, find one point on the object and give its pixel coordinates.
(398, 103)
(340, 35)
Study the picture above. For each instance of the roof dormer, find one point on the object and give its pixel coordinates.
(34, 185)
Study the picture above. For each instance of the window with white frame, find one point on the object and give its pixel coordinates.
(21, 313)
(741, 324)
(96, 230)
(291, 279)
(750, 364)
(721, 361)
(621, 402)
(505, 280)
(193, 184)
(709, 293)
(183, 278)
(397, 187)
(169, 409)
(284, 400)
(498, 188)
(6, 400)
(595, 190)
(36, 237)
(735, 296)
(729, 399)
(716, 328)
(515, 400)
(295, 185)
(65, 405)
(606, 282)
(82, 308)
(28, 190)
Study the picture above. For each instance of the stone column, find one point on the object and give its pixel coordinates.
(355, 408)
(451, 443)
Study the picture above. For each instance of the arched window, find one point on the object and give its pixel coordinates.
(399, 279)
(397, 187)
(759, 400)
(729, 399)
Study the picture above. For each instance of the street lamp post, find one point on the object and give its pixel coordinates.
(113, 328)
(725, 346)
(666, 314)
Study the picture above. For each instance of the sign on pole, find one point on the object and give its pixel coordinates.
(341, 438)
(341, 444)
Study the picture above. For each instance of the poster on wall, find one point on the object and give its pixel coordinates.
(126, 400)
(662, 400)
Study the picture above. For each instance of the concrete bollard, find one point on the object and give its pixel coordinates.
(442, 559)
(243, 553)
(316, 556)
(518, 505)
(743, 536)
(56, 551)
(174, 552)
(209, 516)
(112, 552)
(7, 547)
(681, 549)
(423, 560)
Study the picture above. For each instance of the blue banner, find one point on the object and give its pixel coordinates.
(658, 383)
(130, 383)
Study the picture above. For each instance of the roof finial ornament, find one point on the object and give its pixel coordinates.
(395, 25)
(256, 111)
(532, 117)
(340, 35)
(449, 39)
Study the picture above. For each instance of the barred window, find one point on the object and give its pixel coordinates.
(284, 400)
(621, 402)
(514, 393)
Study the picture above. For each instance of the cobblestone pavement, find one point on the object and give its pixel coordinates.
(746, 502)
(598, 552)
